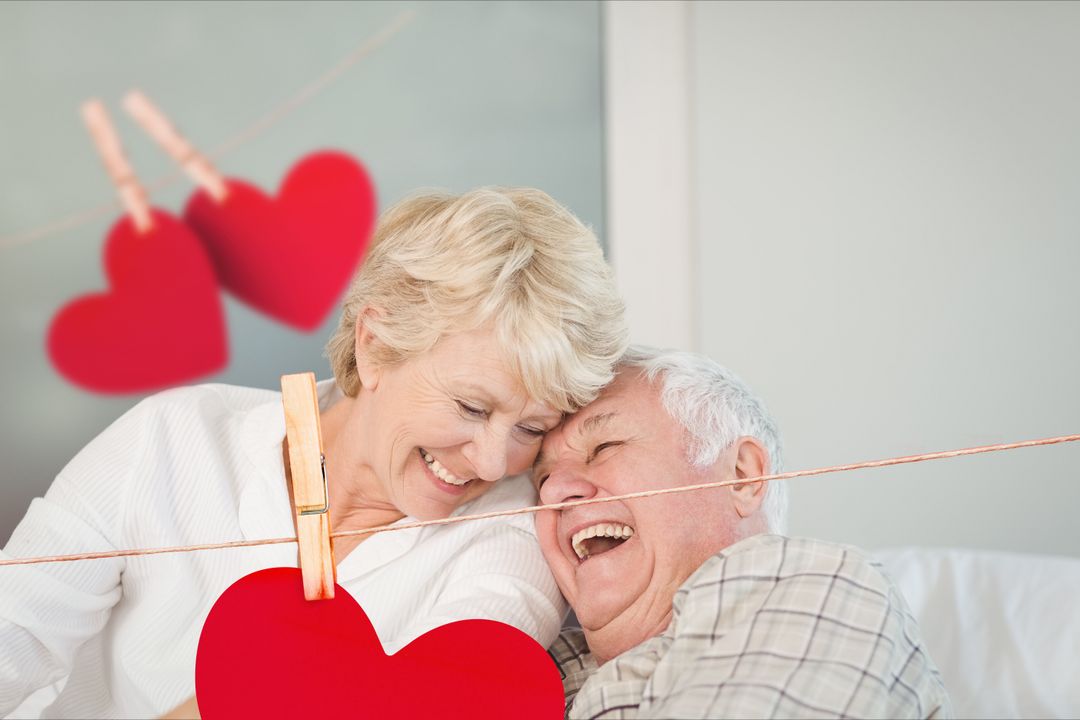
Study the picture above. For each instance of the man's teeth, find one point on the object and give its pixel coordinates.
(609, 530)
(444, 474)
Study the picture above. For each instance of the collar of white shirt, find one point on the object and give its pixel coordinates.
(264, 509)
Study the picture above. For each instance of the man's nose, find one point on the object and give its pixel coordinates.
(565, 483)
(487, 452)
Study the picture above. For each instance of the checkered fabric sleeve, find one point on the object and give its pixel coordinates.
(775, 627)
(571, 655)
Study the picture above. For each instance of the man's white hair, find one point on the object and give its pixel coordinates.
(715, 408)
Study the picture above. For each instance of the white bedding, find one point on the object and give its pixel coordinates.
(1003, 628)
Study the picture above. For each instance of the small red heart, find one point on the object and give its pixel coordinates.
(265, 652)
(290, 256)
(160, 324)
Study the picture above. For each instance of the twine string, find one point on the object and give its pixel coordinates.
(274, 116)
(903, 460)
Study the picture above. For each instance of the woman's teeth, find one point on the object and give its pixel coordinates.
(620, 533)
(441, 472)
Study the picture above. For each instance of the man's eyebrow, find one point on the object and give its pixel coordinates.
(588, 425)
(592, 423)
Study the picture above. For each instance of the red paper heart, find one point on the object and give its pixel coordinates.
(290, 256)
(266, 652)
(160, 324)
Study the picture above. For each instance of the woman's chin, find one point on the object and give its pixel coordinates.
(429, 511)
(436, 505)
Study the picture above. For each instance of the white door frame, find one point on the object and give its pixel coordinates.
(649, 174)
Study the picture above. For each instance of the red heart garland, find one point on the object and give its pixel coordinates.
(290, 256)
(267, 652)
(160, 324)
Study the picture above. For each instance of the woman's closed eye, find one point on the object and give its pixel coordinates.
(532, 432)
(471, 410)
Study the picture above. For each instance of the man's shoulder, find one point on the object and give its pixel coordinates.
(776, 626)
(797, 553)
(766, 560)
(792, 611)
(767, 585)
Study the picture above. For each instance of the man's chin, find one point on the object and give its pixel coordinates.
(599, 609)
(610, 639)
(595, 619)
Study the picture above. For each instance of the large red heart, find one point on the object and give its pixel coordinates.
(290, 256)
(266, 652)
(160, 324)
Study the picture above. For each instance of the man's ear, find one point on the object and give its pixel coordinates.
(367, 370)
(751, 461)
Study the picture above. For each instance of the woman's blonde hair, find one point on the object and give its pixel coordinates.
(510, 259)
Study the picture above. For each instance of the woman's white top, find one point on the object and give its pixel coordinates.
(204, 465)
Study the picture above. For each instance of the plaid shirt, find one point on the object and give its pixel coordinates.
(768, 627)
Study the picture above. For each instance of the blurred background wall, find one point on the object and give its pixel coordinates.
(466, 94)
(867, 210)
(877, 227)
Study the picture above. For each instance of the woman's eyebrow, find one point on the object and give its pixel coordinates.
(478, 389)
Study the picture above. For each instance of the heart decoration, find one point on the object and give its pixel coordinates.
(267, 652)
(161, 323)
(291, 256)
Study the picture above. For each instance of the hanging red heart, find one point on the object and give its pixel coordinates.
(267, 652)
(160, 324)
(290, 256)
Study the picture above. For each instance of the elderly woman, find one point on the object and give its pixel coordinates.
(473, 324)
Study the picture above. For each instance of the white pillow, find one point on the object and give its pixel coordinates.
(1003, 628)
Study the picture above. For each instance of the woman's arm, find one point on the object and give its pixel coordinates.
(47, 611)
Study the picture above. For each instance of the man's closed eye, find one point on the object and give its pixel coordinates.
(601, 447)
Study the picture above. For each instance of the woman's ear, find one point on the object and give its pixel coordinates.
(751, 461)
(367, 370)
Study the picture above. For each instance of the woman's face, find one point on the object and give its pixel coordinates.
(448, 424)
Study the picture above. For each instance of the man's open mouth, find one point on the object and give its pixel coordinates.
(599, 538)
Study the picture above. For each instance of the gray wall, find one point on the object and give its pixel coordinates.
(889, 236)
(468, 94)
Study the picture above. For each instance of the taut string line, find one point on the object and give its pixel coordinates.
(298, 99)
(557, 506)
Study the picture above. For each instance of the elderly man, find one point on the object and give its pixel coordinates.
(688, 607)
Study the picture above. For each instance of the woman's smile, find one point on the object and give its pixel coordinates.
(440, 476)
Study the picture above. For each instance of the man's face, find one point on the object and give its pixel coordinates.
(621, 581)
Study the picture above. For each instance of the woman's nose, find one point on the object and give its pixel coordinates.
(487, 453)
(564, 484)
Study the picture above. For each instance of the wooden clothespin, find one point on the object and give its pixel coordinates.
(310, 498)
(131, 191)
(201, 171)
